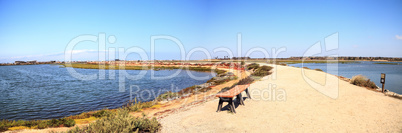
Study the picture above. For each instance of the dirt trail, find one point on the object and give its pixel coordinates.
(288, 103)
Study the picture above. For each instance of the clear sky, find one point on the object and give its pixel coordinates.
(41, 30)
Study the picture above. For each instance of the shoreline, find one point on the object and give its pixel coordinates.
(378, 89)
(165, 104)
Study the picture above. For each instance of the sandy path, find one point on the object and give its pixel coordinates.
(297, 107)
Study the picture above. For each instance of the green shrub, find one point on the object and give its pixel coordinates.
(218, 82)
(210, 80)
(146, 125)
(266, 68)
(318, 69)
(247, 80)
(205, 89)
(225, 89)
(68, 122)
(217, 71)
(138, 105)
(195, 89)
(253, 66)
(82, 115)
(262, 71)
(306, 68)
(54, 123)
(167, 95)
(222, 75)
(4, 125)
(43, 125)
(121, 121)
(148, 104)
(30, 123)
(187, 90)
(102, 113)
(133, 107)
(40, 124)
(361, 80)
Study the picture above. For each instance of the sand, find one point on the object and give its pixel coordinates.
(286, 102)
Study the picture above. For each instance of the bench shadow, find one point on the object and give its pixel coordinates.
(236, 104)
(244, 98)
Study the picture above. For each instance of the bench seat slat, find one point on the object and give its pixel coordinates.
(233, 92)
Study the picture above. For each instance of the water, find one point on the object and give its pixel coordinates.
(393, 79)
(48, 91)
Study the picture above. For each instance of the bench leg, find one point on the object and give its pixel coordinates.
(220, 105)
(231, 105)
(240, 99)
(248, 94)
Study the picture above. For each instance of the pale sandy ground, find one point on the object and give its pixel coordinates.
(297, 107)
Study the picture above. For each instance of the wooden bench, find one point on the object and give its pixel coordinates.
(227, 96)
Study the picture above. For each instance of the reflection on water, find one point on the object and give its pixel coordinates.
(48, 91)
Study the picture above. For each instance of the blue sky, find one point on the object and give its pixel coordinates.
(41, 30)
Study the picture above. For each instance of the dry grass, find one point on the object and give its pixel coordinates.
(121, 122)
(85, 120)
(19, 128)
(35, 124)
(361, 80)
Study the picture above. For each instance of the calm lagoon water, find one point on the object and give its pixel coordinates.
(48, 91)
(393, 79)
